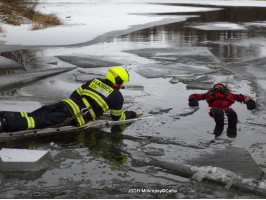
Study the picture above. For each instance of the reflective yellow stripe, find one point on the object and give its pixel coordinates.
(123, 116)
(119, 113)
(24, 114)
(97, 98)
(116, 112)
(76, 110)
(79, 91)
(87, 104)
(31, 122)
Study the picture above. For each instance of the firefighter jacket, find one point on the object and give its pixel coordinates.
(220, 99)
(99, 96)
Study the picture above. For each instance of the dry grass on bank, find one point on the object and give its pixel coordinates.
(1, 30)
(17, 12)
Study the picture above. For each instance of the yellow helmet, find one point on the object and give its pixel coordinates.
(117, 75)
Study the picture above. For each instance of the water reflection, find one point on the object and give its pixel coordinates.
(23, 175)
(9, 71)
(104, 144)
(183, 34)
(10, 93)
(25, 57)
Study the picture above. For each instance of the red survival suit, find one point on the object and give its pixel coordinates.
(220, 99)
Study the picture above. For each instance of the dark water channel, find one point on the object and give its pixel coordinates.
(98, 163)
(225, 48)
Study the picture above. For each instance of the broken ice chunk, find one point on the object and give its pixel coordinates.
(23, 159)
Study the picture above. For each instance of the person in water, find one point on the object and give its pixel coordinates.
(88, 102)
(219, 99)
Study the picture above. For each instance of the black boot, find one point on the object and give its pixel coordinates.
(218, 130)
(231, 133)
(2, 114)
(3, 125)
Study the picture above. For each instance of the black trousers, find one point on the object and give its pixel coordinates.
(218, 115)
(43, 117)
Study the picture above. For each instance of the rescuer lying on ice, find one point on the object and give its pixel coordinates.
(220, 99)
(89, 101)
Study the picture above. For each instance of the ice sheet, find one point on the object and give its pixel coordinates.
(21, 155)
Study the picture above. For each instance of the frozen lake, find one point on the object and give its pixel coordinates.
(171, 50)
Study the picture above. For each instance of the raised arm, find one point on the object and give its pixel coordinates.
(194, 98)
(251, 104)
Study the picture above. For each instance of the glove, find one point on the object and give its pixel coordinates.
(251, 105)
(131, 114)
(193, 102)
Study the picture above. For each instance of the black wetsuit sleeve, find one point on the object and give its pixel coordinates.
(116, 109)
